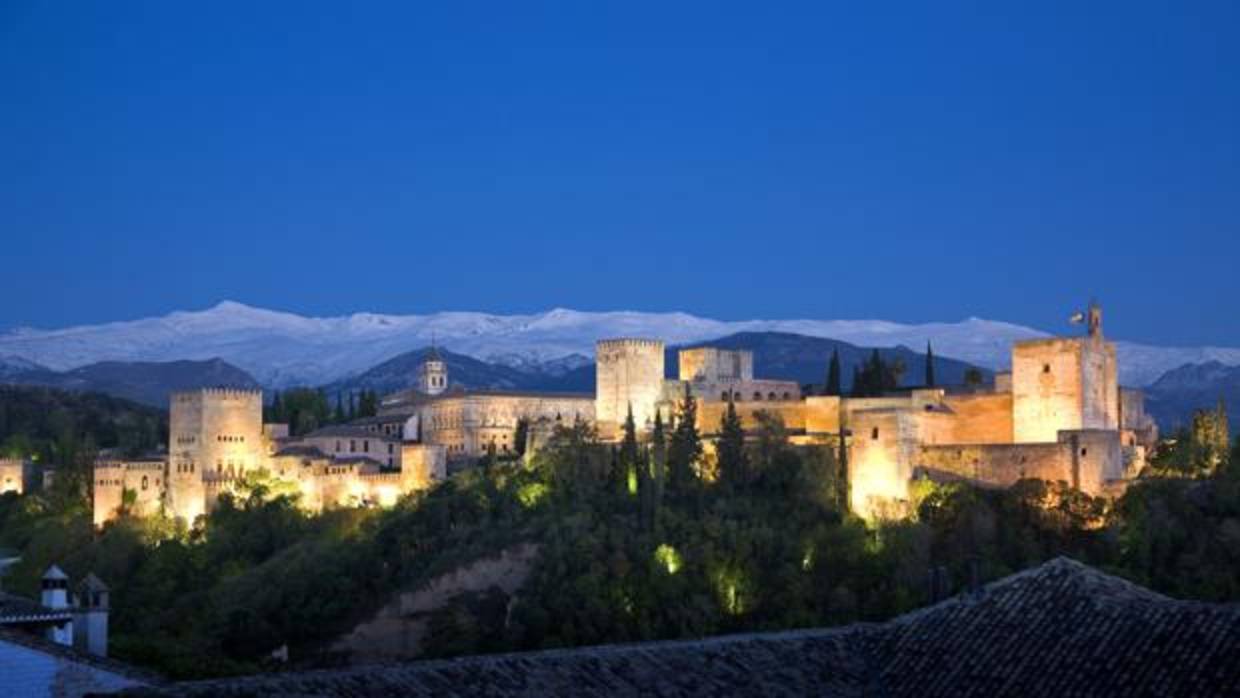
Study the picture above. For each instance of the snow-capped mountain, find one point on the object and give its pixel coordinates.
(282, 349)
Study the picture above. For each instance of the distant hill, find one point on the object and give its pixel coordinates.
(49, 421)
(148, 382)
(1172, 398)
(779, 355)
(401, 372)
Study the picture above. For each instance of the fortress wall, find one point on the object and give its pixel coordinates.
(822, 414)
(107, 486)
(881, 455)
(710, 414)
(15, 475)
(1046, 389)
(979, 418)
(997, 464)
(422, 466)
(629, 372)
(711, 365)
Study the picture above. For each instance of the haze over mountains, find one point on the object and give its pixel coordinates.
(281, 349)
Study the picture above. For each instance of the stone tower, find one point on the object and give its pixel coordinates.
(212, 431)
(1064, 384)
(630, 373)
(433, 373)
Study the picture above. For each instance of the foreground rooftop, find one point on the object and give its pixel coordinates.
(1059, 629)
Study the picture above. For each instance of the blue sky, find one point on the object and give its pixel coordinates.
(913, 162)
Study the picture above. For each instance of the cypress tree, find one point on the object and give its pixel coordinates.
(685, 449)
(731, 449)
(626, 462)
(658, 456)
(929, 366)
(833, 374)
(841, 482)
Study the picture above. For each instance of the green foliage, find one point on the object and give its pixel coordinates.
(768, 546)
(833, 375)
(733, 462)
(876, 376)
(684, 452)
(1201, 450)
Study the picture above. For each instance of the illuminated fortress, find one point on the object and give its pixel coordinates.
(1058, 415)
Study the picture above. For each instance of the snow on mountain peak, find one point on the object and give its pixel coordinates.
(281, 348)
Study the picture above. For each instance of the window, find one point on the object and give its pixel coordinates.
(366, 446)
(390, 451)
(145, 483)
(1046, 368)
(352, 445)
(724, 396)
(770, 396)
(874, 433)
(1084, 451)
(787, 396)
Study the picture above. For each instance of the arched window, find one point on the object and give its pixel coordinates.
(757, 395)
(770, 396)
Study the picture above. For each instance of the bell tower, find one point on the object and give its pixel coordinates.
(433, 373)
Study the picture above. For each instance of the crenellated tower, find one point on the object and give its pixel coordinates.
(630, 374)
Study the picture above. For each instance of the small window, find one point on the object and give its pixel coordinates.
(874, 433)
(770, 396)
(145, 483)
(724, 396)
(1084, 451)
(1046, 368)
(757, 396)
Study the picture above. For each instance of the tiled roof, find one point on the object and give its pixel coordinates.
(20, 610)
(1059, 629)
(301, 451)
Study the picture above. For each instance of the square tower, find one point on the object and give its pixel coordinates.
(212, 431)
(629, 373)
(1063, 384)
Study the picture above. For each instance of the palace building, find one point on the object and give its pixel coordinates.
(1059, 414)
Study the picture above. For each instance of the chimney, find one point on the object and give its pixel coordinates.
(90, 618)
(55, 584)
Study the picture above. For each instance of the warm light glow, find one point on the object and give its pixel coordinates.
(668, 557)
(807, 560)
(877, 484)
(531, 494)
(729, 584)
(632, 481)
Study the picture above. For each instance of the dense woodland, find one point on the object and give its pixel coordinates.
(648, 539)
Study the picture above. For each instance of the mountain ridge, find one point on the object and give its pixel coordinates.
(280, 348)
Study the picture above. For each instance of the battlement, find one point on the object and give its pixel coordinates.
(629, 342)
(385, 478)
(135, 465)
(218, 392)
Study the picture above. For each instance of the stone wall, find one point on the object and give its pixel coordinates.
(211, 430)
(1063, 384)
(711, 365)
(629, 373)
(16, 475)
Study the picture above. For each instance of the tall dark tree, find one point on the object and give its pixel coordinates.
(685, 449)
(733, 466)
(833, 375)
(338, 415)
(929, 366)
(626, 460)
(658, 459)
(841, 480)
